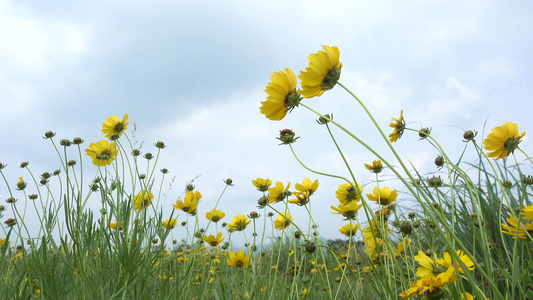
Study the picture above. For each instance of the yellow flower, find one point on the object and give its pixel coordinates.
(403, 245)
(113, 225)
(383, 196)
(238, 223)
(215, 215)
(521, 230)
(115, 125)
(349, 211)
(143, 200)
(283, 221)
(349, 229)
(103, 153)
(302, 198)
(238, 259)
(375, 167)
(323, 72)
(278, 192)
(21, 184)
(307, 186)
(169, 223)
(528, 212)
(430, 284)
(446, 261)
(467, 296)
(189, 203)
(374, 247)
(2, 242)
(427, 265)
(347, 192)
(212, 240)
(282, 95)
(373, 230)
(262, 184)
(305, 293)
(503, 140)
(399, 127)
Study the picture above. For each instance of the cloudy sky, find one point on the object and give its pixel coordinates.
(192, 74)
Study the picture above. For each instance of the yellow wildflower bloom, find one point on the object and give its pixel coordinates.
(375, 167)
(403, 245)
(430, 284)
(278, 192)
(238, 223)
(520, 230)
(383, 196)
(169, 223)
(21, 184)
(143, 200)
(212, 240)
(427, 265)
(349, 229)
(347, 192)
(189, 203)
(215, 215)
(115, 125)
(307, 186)
(349, 211)
(323, 72)
(282, 95)
(503, 140)
(446, 261)
(283, 221)
(103, 153)
(261, 184)
(114, 225)
(238, 259)
(399, 127)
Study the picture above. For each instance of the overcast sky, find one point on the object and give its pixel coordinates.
(192, 74)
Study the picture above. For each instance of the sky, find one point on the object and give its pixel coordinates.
(192, 74)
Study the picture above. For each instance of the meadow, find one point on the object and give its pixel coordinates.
(467, 235)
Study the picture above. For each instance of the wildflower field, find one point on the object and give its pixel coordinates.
(465, 235)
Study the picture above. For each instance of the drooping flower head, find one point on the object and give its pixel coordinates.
(323, 72)
(103, 153)
(143, 200)
(115, 125)
(238, 259)
(347, 192)
(503, 140)
(169, 223)
(283, 221)
(212, 240)
(383, 196)
(238, 223)
(189, 203)
(282, 95)
(399, 127)
(215, 215)
(261, 184)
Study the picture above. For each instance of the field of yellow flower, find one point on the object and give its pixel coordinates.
(468, 234)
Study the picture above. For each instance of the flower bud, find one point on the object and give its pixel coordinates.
(297, 234)
(93, 187)
(183, 223)
(253, 215)
(164, 171)
(142, 176)
(435, 181)
(160, 145)
(148, 155)
(224, 224)
(287, 136)
(56, 172)
(49, 135)
(338, 279)
(507, 184)
(189, 187)
(324, 120)
(115, 136)
(43, 181)
(228, 181)
(263, 201)
(10, 222)
(406, 227)
(270, 214)
(439, 161)
(11, 200)
(65, 143)
(424, 133)
(527, 180)
(310, 247)
(469, 135)
(33, 196)
(412, 215)
(2, 208)
(77, 141)
(24, 164)
(136, 152)
(155, 240)
(2, 166)
(71, 163)
(21, 184)
(103, 211)
(46, 175)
